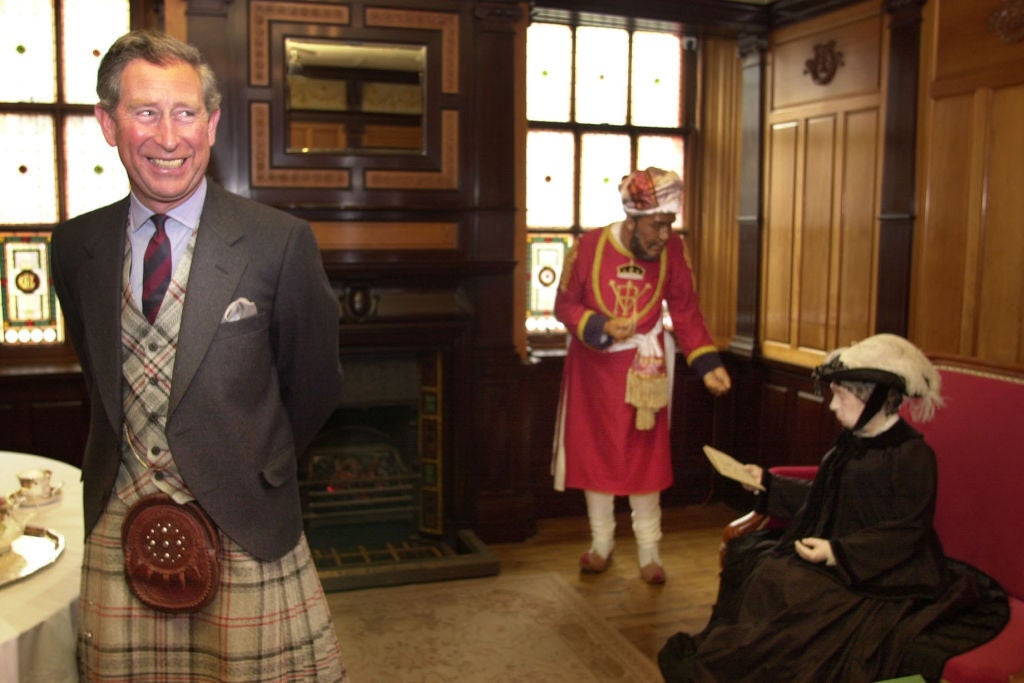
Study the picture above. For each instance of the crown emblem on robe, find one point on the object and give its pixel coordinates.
(631, 271)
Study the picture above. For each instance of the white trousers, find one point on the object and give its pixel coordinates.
(646, 518)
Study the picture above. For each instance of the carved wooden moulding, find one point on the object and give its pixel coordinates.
(826, 61)
(1008, 21)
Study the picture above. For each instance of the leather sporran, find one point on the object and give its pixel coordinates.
(171, 554)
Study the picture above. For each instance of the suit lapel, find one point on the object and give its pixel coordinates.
(217, 267)
(100, 291)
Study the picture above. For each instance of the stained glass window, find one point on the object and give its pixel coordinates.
(604, 95)
(545, 257)
(30, 311)
(56, 163)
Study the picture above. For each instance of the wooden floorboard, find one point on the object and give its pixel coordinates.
(646, 615)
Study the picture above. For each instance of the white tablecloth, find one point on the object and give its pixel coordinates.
(39, 613)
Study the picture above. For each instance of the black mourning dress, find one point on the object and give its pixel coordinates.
(781, 618)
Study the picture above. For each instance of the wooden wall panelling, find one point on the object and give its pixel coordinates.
(944, 234)
(46, 414)
(968, 272)
(978, 44)
(693, 425)
(823, 165)
(542, 380)
(782, 183)
(717, 229)
(813, 251)
(842, 47)
(796, 425)
(1001, 265)
(856, 263)
(504, 423)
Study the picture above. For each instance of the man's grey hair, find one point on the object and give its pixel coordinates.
(156, 48)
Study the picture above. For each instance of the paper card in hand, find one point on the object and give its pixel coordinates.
(728, 466)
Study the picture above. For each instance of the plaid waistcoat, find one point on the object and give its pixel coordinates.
(147, 358)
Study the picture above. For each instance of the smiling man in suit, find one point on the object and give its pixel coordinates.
(208, 337)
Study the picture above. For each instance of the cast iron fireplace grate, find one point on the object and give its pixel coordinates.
(361, 504)
(412, 561)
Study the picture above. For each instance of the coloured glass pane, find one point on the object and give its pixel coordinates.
(655, 81)
(549, 179)
(602, 63)
(603, 162)
(548, 72)
(27, 57)
(545, 256)
(91, 26)
(29, 313)
(28, 177)
(95, 176)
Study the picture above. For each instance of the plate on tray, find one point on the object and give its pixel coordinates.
(35, 549)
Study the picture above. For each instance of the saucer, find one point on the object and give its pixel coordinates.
(41, 501)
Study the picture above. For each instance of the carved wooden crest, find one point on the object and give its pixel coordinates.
(1008, 21)
(823, 65)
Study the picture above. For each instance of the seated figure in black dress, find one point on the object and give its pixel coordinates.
(859, 573)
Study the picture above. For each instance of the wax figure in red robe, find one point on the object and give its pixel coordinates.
(612, 435)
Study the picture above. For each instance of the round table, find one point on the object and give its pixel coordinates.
(39, 615)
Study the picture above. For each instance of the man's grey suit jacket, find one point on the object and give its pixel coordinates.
(247, 397)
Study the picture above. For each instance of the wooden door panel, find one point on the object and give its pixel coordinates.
(815, 247)
(779, 232)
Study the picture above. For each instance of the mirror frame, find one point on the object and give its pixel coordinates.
(436, 167)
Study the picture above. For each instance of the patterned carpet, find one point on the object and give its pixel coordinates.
(509, 629)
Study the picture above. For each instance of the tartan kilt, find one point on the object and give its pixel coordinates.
(268, 622)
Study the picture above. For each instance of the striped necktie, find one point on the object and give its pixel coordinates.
(156, 269)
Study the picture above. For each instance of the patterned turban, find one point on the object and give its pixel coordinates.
(651, 191)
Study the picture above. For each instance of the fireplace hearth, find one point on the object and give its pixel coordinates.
(374, 482)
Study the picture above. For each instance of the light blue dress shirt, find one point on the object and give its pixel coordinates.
(182, 221)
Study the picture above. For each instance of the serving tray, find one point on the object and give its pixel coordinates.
(35, 549)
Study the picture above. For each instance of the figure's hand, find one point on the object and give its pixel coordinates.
(756, 472)
(620, 328)
(815, 550)
(717, 381)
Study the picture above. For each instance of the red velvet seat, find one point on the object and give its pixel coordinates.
(978, 439)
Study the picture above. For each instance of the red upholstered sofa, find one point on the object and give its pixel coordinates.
(978, 440)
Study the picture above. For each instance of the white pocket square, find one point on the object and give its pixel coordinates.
(239, 309)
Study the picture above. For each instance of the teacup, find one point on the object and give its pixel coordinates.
(36, 484)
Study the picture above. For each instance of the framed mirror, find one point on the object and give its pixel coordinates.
(308, 142)
(345, 96)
